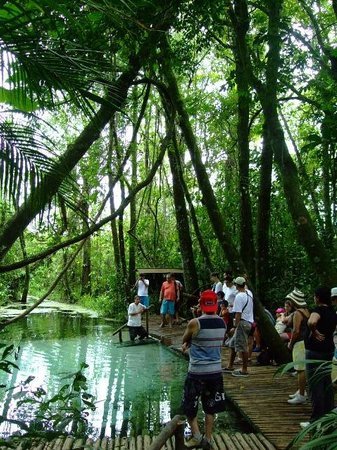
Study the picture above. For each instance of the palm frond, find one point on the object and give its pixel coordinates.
(26, 156)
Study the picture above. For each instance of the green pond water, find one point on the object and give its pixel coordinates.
(136, 387)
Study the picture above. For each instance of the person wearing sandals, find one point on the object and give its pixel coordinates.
(243, 321)
(203, 339)
(298, 323)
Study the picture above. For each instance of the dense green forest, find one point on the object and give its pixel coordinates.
(193, 134)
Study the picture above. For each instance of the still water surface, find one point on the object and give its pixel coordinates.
(136, 387)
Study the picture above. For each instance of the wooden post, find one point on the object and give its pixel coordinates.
(169, 430)
(147, 321)
(179, 436)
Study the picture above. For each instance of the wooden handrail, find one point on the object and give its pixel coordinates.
(121, 328)
(174, 427)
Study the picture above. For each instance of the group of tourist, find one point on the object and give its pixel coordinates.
(308, 335)
(312, 345)
(227, 310)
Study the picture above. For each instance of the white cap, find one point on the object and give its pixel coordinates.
(334, 292)
(240, 281)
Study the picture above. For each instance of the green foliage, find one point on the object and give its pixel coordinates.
(64, 413)
(6, 363)
(103, 304)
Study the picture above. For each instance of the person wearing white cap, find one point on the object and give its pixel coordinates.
(334, 294)
(296, 344)
(243, 308)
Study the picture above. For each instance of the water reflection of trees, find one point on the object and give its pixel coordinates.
(131, 398)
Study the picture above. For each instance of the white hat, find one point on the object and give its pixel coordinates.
(240, 281)
(334, 292)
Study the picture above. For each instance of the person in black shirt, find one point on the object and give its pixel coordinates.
(319, 345)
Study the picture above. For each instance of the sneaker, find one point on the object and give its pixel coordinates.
(239, 373)
(227, 370)
(297, 400)
(304, 424)
(296, 394)
(193, 442)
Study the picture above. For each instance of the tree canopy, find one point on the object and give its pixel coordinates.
(199, 134)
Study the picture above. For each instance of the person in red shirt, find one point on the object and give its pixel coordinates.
(169, 295)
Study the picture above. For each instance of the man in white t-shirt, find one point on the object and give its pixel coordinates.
(216, 283)
(230, 290)
(142, 286)
(135, 312)
(244, 317)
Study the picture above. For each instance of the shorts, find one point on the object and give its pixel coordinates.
(240, 338)
(137, 331)
(144, 300)
(211, 392)
(299, 355)
(167, 307)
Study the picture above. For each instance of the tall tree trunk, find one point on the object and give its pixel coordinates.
(269, 110)
(86, 254)
(25, 289)
(133, 211)
(303, 174)
(209, 199)
(183, 226)
(326, 172)
(67, 291)
(240, 21)
(202, 245)
(306, 231)
(113, 223)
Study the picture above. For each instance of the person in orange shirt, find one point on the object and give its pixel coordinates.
(169, 295)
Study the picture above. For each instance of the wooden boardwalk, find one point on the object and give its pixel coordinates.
(223, 441)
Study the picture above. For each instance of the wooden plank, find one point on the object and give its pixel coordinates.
(245, 441)
(97, 445)
(124, 445)
(219, 442)
(132, 443)
(254, 438)
(117, 444)
(111, 444)
(237, 443)
(137, 342)
(147, 441)
(139, 442)
(78, 444)
(230, 445)
(68, 443)
(104, 443)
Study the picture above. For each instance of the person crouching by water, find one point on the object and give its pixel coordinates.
(203, 339)
(135, 312)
